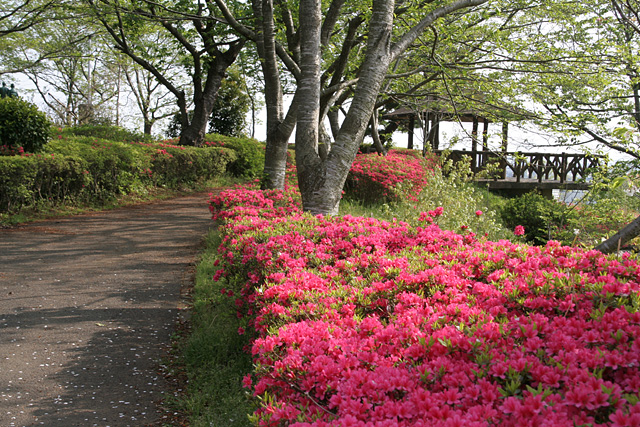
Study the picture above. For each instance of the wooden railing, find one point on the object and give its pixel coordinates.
(541, 166)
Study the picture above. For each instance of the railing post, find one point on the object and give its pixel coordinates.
(563, 168)
(475, 158)
(539, 168)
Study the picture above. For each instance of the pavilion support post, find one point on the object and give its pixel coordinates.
(505, 136)
(485, 135)
(474, 145)
(474, 135)
(412, 122)
(426, 134)
(505, 139)
(435, 126)
(485, 142)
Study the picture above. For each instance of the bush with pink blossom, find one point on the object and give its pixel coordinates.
(365, 322)
(374, 178)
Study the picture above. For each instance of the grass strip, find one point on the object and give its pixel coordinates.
(214, 354)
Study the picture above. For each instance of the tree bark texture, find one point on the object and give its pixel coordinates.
(205, 97)
(321, 182)
(307, 132)
(275, 160)
(613, 243)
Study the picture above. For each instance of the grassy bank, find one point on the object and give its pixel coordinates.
(214, 354)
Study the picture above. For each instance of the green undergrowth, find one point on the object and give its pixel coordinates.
(465, 205)
(45, 210)
(215, 356)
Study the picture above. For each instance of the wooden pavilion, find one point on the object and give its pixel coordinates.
(438, 109)
(517, 171)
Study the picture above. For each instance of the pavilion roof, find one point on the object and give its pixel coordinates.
(465, 109)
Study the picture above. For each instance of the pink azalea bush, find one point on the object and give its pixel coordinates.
(361, 322)
(9, 150)
(374, 178)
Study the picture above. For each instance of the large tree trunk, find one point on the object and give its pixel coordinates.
(614, 242)
(193, 134)
(279, 128)
(205, 98)
(321, 182)
(275, 159)
(307, 132)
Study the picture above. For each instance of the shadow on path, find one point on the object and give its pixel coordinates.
(87, 308)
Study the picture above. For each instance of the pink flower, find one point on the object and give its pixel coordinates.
(387, 324)
(246, 381)
(519, 230)
(478, 213)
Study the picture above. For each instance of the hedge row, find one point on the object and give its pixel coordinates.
(92, 170)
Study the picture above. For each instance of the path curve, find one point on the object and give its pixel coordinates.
(87, 307)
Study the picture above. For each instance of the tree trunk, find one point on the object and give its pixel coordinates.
(613, 243)
(194, 133)
(204, 99)
(307, 132)
(279, 127)
(377, 141)
(321, 182)
(275, 161)
(147, 127)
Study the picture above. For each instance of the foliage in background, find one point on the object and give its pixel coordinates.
(446, 186)
(250, 160)
(541, 217)
(584, 220)
(610, 204)
(112, 133)
(229, 115)
(374, 178)
(22, 125)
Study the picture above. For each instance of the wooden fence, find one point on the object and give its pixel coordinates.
(562, 168)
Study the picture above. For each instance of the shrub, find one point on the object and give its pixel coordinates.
(16, 182)
(541, 217)
(250, 161)
(112, 133)
(114, 167)
(95, 170)
(52, 178)
(174, 166)
(378, 179)
(364, 322)
(427, 191)
(22, 125)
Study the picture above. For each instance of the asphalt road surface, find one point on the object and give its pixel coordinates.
(87, 308)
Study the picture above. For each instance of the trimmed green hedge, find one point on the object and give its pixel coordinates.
(187, 165)
(85, 169)
(112, 133)
(250, 161)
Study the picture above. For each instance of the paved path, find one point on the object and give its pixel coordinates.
(87, 308)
